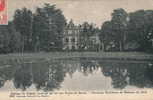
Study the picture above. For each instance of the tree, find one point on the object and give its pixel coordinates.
(23, 24)
(15, 42)
(4, 39)
(139, 28)
(106, 34)
(48, 26)
(119, 22)
(87, 30)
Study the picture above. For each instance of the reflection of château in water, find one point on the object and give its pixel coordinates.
(70, 67)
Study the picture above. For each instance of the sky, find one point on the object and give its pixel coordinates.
(93, 11)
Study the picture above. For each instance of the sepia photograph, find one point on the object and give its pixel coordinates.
(96, 46)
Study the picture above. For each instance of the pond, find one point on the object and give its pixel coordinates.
(76, 74)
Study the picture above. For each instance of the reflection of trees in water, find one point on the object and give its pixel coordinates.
(117, 72)
(137, 75)
(49, 75)
(119, 77)
(40, 74)
(2, 79)
(23, 77)
(149, 72)
(45, 75)
(56, 75)
(123, 74)
(6, 73)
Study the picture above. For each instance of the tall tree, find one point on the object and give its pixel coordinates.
(15, 42)
(48, 26)
(119, 22)
(4, 39)
(106, 35)
(87, 30)
(23, 24)
(140, 28)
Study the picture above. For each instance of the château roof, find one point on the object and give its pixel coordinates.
(71, 25)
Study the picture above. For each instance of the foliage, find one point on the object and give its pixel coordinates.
(126, 28)
(42, 30)
(88, 30)
(48, 25)
(23, 24)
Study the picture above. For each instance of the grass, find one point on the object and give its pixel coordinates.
(17, 58)
(62, 55)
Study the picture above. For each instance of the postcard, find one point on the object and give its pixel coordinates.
(76, 49)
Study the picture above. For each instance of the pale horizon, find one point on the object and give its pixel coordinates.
(92, 11)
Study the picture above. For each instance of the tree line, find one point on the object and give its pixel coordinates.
(42, 30)
(33, 32)
(128, 31)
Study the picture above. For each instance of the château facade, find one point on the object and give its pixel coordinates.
(71, 36)
(73, 39)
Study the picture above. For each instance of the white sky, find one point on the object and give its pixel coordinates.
(93, 11)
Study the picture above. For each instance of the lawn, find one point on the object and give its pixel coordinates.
(63, 55)
(6, 60)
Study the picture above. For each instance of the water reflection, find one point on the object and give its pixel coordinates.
(23, 77)
(50, 75)
(134, 74)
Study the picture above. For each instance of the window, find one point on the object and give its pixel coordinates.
(73, 39)
(67, 40)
